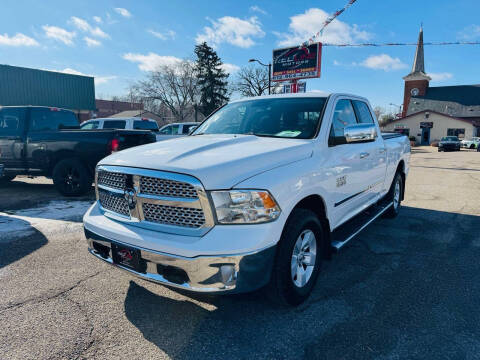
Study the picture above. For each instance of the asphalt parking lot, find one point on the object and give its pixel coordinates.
(403, 289)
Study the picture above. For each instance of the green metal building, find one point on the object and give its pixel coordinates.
(23, 86)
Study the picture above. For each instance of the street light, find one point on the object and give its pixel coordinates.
(269, 71)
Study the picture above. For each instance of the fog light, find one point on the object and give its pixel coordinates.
(229, 275)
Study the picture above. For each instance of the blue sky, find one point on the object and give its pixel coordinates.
(117, 41)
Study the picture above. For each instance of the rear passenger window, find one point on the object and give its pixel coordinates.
(114, 124)
(12, 121)
(363, 112)
(45, 119)
(343, 116)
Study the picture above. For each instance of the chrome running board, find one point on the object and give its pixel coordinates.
(346, 232)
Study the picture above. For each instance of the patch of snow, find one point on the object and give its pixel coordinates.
(46, 219)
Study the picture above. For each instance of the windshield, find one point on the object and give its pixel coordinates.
(281, 117)
(449, 138)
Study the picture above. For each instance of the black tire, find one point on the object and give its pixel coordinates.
(71, 178)
(439, 150)
(393, 210)
(282, 288)
(472, 146)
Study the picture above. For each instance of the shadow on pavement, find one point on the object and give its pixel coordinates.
(15, 249)
(403, 288)
(19, 194)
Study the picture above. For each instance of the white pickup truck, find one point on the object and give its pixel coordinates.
(261, 193)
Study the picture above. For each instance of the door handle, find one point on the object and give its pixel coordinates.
(364, 155)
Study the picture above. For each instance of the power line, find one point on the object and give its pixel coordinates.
(443, 43)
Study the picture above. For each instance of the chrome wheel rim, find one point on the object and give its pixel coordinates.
(396, 195)
(303, 258)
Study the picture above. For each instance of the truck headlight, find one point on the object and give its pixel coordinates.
(245, 206)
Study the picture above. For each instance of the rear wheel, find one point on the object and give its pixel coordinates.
(395, 194)
(71, 178)
(298, 259)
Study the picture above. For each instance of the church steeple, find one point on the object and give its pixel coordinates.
(417, 82)
(418, 68)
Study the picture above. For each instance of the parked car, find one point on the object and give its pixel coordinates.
(261, 193)
(175, 130)
(132, 123)
(473, 143)
(449, 143)
(46, 141)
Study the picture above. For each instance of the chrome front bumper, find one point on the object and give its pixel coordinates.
(229, 273)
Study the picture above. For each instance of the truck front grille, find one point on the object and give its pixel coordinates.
(112, 179)
(113, 203)
(164, 187)
(172, 215)
(156, 198)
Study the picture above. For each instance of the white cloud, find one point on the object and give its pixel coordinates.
(98, 79)
(91, 42)
(258, 9)
(470, 32)
(383, 62)
(232, 30)
(59, 34)
(169, 34)
(230, 68)
(18, 39)
(440, 76)
(303, 26)
(336, 63)
(98, 19)
(151, 61)
(123, 12)
(84, 26)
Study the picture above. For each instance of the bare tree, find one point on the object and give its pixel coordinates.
(253, 81)
(378, 111)
(173, 86)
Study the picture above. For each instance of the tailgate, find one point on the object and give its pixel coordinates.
(131, 138)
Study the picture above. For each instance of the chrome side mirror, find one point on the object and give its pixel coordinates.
(360, 133)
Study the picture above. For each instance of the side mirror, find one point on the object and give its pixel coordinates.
(360, 133)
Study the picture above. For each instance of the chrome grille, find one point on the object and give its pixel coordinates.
(164, 187)
(113, 203)
(153, 199)
(112, 179)
(172, 215)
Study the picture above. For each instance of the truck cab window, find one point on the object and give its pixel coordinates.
(145, 125)
(11, 121)
(363, 112)
(114, 124)
(45, 119)
(343, 116)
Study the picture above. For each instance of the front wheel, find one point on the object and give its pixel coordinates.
(298, 259)
(395, 194)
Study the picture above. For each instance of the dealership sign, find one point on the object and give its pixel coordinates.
(299, 62)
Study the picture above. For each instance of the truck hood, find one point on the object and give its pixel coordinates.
(218, 161)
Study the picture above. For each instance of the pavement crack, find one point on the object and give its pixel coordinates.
(48, 298)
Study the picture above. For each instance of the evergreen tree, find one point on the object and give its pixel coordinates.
(212, 79)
